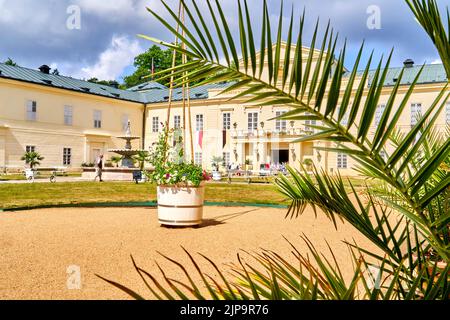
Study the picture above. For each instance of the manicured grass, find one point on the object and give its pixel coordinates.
(29, 195)
(11, 177)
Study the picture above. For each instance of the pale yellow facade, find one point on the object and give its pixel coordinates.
(49, 134)
(261, 146)
(274, 142)
(242, 133)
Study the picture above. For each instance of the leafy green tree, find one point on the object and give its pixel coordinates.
(110, 83)
(10, 62)
(155, 58)
(142, 157)
(33, 159)
(405, 216)
(217, 162)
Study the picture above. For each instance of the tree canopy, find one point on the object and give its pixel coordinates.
(11, 62)
(162, 60)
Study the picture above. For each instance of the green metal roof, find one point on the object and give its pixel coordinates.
(147, 86)
(152, 92)
(432, 73)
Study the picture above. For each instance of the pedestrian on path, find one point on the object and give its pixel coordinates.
(99, 168)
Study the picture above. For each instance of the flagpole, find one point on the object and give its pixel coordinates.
(153, 68)
(186, 92)
(174, 60)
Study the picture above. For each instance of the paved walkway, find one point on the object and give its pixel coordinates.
(45, 180)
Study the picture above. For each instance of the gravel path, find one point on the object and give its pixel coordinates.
(37, 247)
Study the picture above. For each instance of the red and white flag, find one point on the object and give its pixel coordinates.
(199, 138)
(153, 67)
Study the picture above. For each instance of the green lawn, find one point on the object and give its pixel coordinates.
(9, 177)
(29, 195)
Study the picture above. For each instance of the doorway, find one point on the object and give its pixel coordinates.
(95, 154)
(280, 156)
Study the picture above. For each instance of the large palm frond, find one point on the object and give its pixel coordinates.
(312, 276)
(428, 15)
(317, 87)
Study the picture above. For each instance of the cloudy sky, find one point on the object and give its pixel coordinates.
(35, 32)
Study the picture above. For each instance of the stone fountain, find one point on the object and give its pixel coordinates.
(127, 171)
(128, 152)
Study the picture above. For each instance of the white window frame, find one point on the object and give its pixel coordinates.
(67, 156)
(177, 122)
(227, 158)
(30, 148)
(31, 110)
(342, 161)
(416, 112)
(379, 113)
(68, 115)
(199, 122)
(309, 123)
(226, 120)
(97, 119)
(252, 120)
(155, 124)
(198, 158)
(280, 125)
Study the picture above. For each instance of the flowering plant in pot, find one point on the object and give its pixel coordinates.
(181, 189)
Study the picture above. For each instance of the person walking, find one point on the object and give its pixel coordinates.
(99, 168)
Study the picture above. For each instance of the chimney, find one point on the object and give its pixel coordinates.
(45, 69)
(408, 63)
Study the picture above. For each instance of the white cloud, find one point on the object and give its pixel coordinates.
(5, 14)
(437, 61)
(118, 9)
(112, 62)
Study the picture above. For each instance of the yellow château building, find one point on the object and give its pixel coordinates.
(70, 121)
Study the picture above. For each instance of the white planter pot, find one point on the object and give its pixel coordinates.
(180, 206)
(217, 176)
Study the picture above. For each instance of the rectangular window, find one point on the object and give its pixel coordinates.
(199, 122)
(68, 115)
(379, 114)
(67, 156)
(253, 121)
(177, 122)
(155, 124)
(30, 149)
(198, 159)
(342, 161)
(226, 158)
(97, 119)
(280, 125)
(309, 123)
(227, 121)
(447, 113)
(125, 119)
(416, 112)
(31, 110)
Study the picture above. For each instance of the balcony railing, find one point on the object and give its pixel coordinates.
(248, 134)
